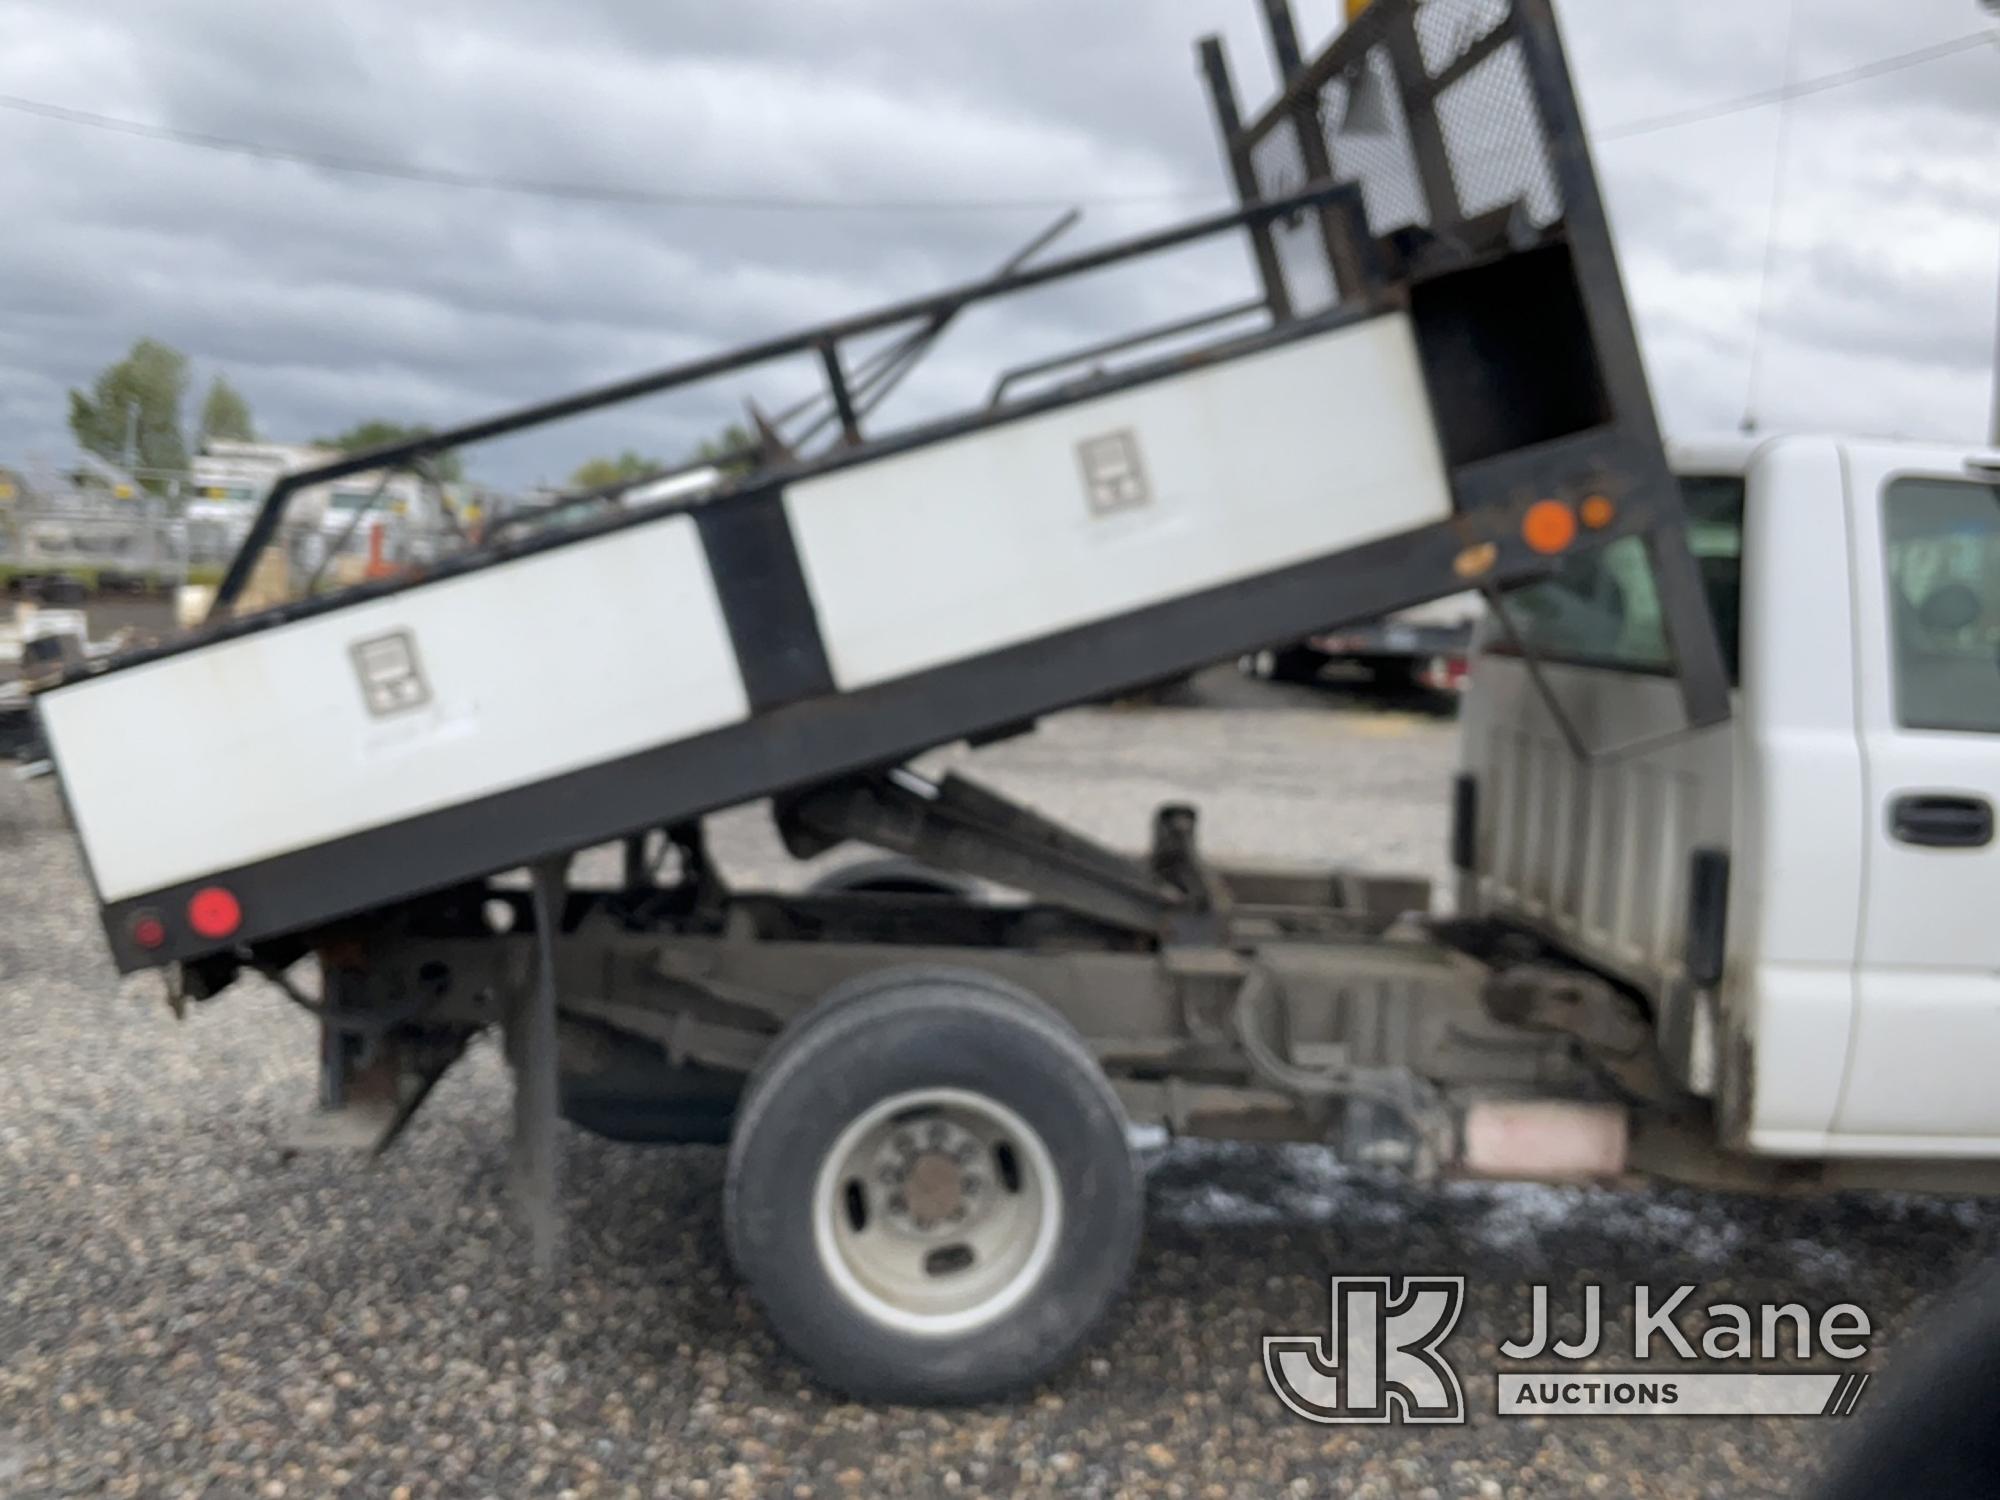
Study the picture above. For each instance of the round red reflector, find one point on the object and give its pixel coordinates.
(148, 931)
(214, 912)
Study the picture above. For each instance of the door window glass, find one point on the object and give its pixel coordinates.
(1942, 538)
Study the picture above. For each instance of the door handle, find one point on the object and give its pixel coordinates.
(1942, 820)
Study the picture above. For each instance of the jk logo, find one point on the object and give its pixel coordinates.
(1382, 1362)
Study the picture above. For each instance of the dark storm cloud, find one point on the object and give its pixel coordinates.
(331, 297)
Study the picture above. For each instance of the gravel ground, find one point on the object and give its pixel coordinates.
(183, 1312)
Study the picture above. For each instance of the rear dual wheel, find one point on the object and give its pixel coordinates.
(931, 1191)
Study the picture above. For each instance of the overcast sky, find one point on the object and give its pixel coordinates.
(329, 297)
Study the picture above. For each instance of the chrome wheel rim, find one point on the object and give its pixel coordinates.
(936, 1211)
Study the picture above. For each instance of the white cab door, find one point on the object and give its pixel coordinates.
(1923, 1073)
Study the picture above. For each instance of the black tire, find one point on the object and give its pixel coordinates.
(1301, 664)
(876, 1038)
(1930, 1431)
(892, 875)
(1397, 674)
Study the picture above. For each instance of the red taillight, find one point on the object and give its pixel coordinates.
(148, 931)
(1446, 674)
(214, 912)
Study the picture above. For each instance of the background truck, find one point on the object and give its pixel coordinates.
(1422, 649)
(928, 1078)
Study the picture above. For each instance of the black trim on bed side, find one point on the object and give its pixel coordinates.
(761, 585)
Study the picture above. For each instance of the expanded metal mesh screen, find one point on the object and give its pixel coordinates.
(1448, 29)
(1493, 136)
(1455, 75)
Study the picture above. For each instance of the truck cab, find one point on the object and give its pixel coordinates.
(1804, 896)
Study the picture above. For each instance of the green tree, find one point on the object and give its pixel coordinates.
(732, 450)
(601, 471)
(376, 433)
(226, 415)
(137, 402)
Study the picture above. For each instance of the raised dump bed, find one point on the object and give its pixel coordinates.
(1437, 389)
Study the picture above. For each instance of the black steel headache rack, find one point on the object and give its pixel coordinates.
(1480, 212)
(1438, 389)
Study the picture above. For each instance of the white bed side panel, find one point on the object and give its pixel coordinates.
(258, 746)
(995, 538)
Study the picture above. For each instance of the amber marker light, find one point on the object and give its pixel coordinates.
(1548, 527)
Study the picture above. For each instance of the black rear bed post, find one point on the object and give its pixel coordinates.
(535, 1167)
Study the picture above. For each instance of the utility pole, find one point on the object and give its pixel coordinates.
(1992, 8)
(1994, 435)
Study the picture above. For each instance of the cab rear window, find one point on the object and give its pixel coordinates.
(1601, 609)
(1942, 544)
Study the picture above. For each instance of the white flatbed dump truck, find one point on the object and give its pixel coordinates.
(928, 1091)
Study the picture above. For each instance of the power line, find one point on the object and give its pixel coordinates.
(1798, 90)
(574, 191)
(1772, 219)
(649, 197)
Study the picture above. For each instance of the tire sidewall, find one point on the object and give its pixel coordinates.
(931, 1033)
